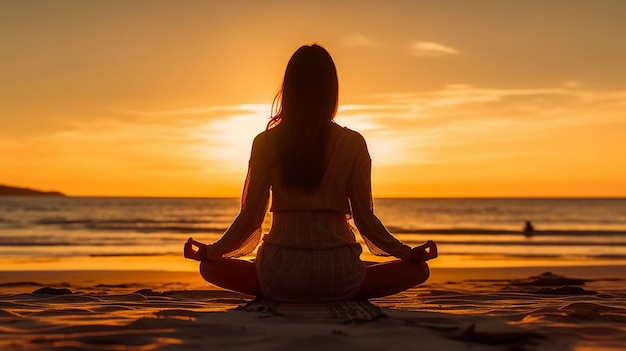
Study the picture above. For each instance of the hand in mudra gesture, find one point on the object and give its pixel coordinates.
(424, 252)
(191, 253)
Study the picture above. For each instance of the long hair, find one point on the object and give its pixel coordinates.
(303, 111)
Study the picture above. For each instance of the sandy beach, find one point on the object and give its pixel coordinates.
(570, 308)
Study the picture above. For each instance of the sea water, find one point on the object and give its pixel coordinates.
(564, 229)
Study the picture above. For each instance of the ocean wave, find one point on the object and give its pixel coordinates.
(136, 254)
(183, 225)
(167, 229)
(478, 255)
(485, 231)
(509, 243)
(37, 243)
(492, 256)
(112, 242)
(138, 225)
(87, 221)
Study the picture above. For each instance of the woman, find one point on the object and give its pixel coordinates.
(320, 176)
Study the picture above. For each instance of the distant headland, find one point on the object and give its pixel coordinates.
(6, 190)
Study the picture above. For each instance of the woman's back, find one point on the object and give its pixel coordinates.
(332, 192)
(318, 219)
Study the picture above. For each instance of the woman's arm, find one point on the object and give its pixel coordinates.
(378, 239)
(244, 233)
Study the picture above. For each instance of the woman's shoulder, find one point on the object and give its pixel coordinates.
(264, 136)
(352, 136)
(353, 133)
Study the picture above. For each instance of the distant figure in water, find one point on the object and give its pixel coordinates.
(319, 174)
(529, 230)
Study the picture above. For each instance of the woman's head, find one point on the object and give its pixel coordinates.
(303, 111)
(309, 92)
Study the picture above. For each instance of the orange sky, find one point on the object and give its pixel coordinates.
(456, 98)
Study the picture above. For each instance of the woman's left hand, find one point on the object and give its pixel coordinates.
(190, 253)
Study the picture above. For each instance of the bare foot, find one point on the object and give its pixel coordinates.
(424, 252)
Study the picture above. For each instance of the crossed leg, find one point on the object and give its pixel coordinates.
(232, 274)
(381, 279)
(388, 278)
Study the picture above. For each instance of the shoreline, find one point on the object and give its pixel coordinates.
(179, 264)
(153, 278)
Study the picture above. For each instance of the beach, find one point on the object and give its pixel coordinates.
(580, 308)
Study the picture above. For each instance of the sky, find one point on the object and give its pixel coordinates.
(455, 98)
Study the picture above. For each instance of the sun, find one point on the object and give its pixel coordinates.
(229, 139)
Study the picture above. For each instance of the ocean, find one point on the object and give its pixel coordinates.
(486, 230)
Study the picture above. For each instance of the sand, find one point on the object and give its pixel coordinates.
(512, 309)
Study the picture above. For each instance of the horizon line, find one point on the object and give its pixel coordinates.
(564, 197)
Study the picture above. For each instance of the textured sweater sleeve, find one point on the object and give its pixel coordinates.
(378, 239)
(244, 234)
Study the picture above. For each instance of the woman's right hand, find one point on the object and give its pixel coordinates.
(424, 252)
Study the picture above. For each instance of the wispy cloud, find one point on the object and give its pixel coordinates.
(432, 49)
(572, 84)
(460, 123)
(152, 143)
(462, 98)
(456, 126)
(200, 110)
(357, 41)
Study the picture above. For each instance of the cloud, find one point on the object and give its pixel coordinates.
(165, 138)
(357, 41)
(458, 123)
(455, 96)
(462, 123)
(197, 113)
(572, 84)
(432, 49)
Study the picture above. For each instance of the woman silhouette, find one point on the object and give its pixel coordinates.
(319, 175)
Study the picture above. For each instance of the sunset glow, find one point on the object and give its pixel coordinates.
(455, 98)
